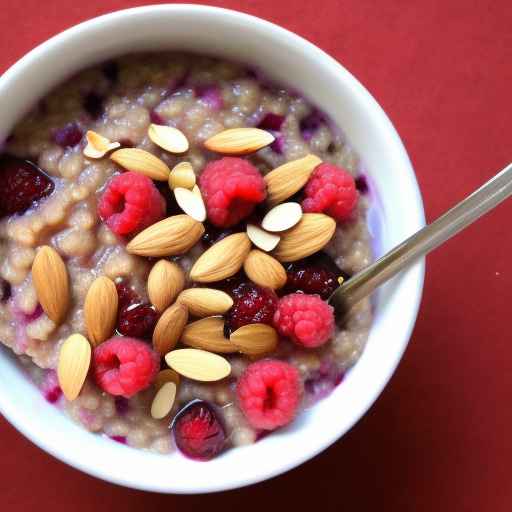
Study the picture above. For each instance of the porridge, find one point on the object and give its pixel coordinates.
(166, 311)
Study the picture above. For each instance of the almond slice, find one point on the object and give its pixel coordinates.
(203, 302)
(197, 191)
(282, 217)
(51, 281)
(73, 365)
(198, 364)
(141, 161)
(289, 178)
(223, 259)
(165, 282)
(98, 146)
(190, 203)
(169, 328)
(164, 376)
(171, 236)
(261, 238)
(264, 270)
(208, 334)
(100, 310)
(163, 401)
(182, 175)
(239, 141)
(255, 339)
(169, 138)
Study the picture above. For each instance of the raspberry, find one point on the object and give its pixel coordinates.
(198, 431)
(124, 366)
(68, 136)
(21, 184)
(331, 190)
(305, 319)
(131, 203)
(268, 393)
(231, 187)
(137, 321)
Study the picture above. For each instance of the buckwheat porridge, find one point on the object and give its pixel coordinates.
(166, 312)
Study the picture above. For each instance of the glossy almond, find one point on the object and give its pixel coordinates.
(312, 233)
(143, 162)
(73, 365)
(239, 141)
(203, 302)
(223, 259)
(198, 364)
(169, 328)
(255, 339)
(182, 175)
(163, 401)
(100, 310)
(51, 281)
(169, 138)
(282, 217)
(98, 146)
(289, 178)
(207, 334)
(164, 376)
(264, 270)
(165, 282)
(171, 236)
(190, 203)
(261, 238)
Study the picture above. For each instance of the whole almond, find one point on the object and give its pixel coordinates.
(289, 178)
(239, 141)
(143, 162)
(261, 238)
(73, 365)
(100, 310)
(165, 282)
(98, 146)
(51, 281)
(223, 259)
(164, 376)
(190, 203)
(163, 401)
(312, 233)
(203, 302)
(282, 217)
(169, 138)
(207, 334)
(182, 175)
(264, 270)
(255, 339)
(171, 236)
(198, 364)
(169, 328)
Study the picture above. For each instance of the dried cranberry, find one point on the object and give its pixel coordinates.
(362, 184)
(137, 321)
(310, 124)
(156, 118)
(68, 136)
(271, 121)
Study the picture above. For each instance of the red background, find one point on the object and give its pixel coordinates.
(439, 436)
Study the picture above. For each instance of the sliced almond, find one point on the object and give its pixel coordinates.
(197, 191)
(182, 175)
(223, 259)
(255, 339)
(264, 270)
(163, 401)
(51, 281)
(73, 365)
(98, 146)
(208, 334)
(164, 376)
(171, 236)
(239, 141)
(198, 364)
(203, 302)
(169, 138)
(165, 282)
(100, 310)
(190, 203)
(143, 162)
(261, 238)
(312, 233)
(289, 178)
(282, 217)
(169, 328)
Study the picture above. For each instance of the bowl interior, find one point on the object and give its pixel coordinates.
(293, 61)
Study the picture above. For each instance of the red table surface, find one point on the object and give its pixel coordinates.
(439, 436)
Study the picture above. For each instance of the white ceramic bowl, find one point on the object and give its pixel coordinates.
(295, 62)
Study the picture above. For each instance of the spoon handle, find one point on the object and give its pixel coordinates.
(488, 196)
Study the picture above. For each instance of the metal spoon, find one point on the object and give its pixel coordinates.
(487, 197)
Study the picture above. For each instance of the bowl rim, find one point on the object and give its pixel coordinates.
(13, 414)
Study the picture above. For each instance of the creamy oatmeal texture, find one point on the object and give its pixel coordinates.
(201, 97)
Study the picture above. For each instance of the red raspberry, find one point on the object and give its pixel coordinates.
(305, 319)
(124, 366)
(131, 203)
(231, 187)
(331, 190)
(269, 393)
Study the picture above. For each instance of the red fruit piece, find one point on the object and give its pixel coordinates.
(305, 319)
(269, 393)
(68, 136)
(21, 184)
(130, 203)
(198, 432)
(331, 190)
(231, 187)
(137, 321)
(124, 366)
